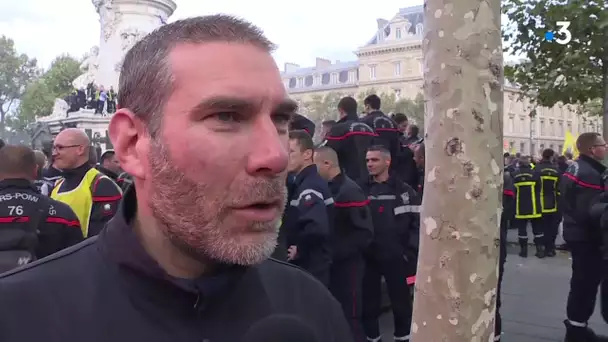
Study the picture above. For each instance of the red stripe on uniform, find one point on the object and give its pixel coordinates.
(583, 184)
(14, 219)
(508, 193)
(411, 280)
(371, 134)
(61, 220)
(106, 198)
(351, 204)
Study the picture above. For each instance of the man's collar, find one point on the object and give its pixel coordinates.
(20, 183)
(121, 244)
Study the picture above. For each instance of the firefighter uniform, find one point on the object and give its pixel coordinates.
(307, 223)
(548, 177)
(352, 234)
(527, 209)
(395, 209)
(351, 138)
(580, 186)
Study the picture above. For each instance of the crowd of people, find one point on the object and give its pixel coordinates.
(96, 97)
(161, 239)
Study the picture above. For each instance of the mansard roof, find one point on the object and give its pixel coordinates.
(334, 67)
(413, 14)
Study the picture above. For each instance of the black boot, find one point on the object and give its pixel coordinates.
(523, 248)
(581, 334)
(550, 251)
(540, 251)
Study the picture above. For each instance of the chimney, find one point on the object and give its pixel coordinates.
(381, 23)
(321, 63)
(291, 67)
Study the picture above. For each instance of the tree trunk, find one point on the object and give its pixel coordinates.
(457, 268)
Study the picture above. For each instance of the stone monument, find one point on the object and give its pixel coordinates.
(122, 24)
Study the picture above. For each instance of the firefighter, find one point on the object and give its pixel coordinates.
(527, 208)
(548, 176)
(395, 209)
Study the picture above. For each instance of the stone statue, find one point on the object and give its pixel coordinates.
(89, 67)
(108, 18)
(60, 109)
(128, 38)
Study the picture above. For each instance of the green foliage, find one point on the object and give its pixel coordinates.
(320, 108)
(16, 70)
(40, 94)
(550, 73)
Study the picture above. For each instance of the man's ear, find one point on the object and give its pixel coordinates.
(127, 133)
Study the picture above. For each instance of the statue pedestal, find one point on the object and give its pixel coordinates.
(123, 23)
(85, 119)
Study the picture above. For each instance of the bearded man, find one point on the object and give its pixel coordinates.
(203, 131)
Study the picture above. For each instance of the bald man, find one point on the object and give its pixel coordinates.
(352, 234)
(93, 196)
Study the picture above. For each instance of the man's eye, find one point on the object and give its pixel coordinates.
(227, 116)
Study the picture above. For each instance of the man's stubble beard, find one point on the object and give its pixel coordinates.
(197, 224)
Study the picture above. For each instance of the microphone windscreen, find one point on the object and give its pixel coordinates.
(280, 328)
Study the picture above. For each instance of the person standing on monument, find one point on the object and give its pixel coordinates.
(186, 257)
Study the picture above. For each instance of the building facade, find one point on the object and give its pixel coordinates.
(391, 62)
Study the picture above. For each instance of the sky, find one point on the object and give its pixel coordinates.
(302, 30)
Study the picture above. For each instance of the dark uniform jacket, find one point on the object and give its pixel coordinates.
(33, 223)
(353, 227)
(527, 193)
(307, 221)
(580, 185)
(395, 209)
(106, 196)
(508, 209)
(301, 122)
(407, 168)
(113, 175)
(548, 176)
(109, 289)
(351, 138)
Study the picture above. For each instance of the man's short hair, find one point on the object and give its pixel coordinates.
(17, 160)
(548, 153)
(414, 130)
(106, 155)
(373, 101)
(586, 141)
(146, 63)
(400, 118)
(303, 138)
(328, 123)
(329, 154)
(348, 104)
(379, 148)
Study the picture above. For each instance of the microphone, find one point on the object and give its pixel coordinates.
(280, 328)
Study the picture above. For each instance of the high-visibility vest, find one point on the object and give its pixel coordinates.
(79, 199)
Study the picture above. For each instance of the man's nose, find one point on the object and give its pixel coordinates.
(268, 149)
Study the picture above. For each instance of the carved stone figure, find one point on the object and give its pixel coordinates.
(128, 38)
(108, 18)
(89, 68)
(60, 109)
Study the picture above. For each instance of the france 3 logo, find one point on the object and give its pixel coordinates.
(562, 36)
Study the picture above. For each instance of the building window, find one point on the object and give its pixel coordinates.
(398, 33)
(419, 29)
(561, 128)
(511, 146)
(511, 125)
(569, 127)
(309, 81)
(551, 128)
(551, 146)
(300, 82)
(542, 127)
(292, 82)
(325, 78)
(542, 147)
(522, 147)
(533, 149)
(352, 77)
(559, 149)
(522, 125)
(334, 78)
(372, 72)
(343, 76)
(397, 68)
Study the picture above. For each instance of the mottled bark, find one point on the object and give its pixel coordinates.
(457, 271)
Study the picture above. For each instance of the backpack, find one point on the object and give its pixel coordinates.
(18, 244)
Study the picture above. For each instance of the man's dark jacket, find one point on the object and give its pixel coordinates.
(351, 138)
(109, 289)
(580, 186)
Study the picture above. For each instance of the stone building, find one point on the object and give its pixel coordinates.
(391, 62)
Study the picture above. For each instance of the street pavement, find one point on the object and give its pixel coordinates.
(534, 299)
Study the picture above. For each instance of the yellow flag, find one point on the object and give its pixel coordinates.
(570, 145)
